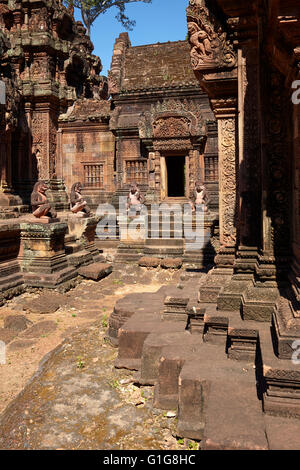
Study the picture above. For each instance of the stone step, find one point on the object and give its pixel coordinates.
(80, 258)
(239, 337)
(218, 402)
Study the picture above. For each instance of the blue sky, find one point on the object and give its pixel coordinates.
(161, 21)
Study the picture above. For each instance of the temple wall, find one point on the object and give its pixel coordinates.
(86, 154)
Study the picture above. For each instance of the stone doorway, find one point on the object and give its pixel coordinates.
(173, 169)
(176, 176)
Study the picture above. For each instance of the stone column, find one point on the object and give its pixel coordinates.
(259, 301)
(226, 113)
(248, 197)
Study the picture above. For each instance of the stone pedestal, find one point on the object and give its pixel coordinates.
(230, 297)
(42, 255)
(84, 231)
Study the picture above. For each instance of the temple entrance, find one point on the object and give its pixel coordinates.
(175, 166)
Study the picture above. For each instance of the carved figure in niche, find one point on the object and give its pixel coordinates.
(39, 202)
(199, 198)
(135, 198)
(79, 206)
(200, 40)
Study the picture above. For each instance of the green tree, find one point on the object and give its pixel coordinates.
(91, 9)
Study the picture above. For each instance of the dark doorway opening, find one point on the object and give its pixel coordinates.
(176, 176)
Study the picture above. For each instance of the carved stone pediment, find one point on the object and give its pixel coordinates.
(172, 119)
(171, 126)
(210, 48)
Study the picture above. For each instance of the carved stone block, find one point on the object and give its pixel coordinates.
(42, 255)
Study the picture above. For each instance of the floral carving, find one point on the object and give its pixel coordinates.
(228, 201)
(171, 127)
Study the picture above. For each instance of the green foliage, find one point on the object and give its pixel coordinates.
(104, 321)
(115, 384)
(91, 9)
(80, 362)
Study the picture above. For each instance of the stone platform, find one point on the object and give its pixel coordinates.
(219, 371)
(48, 255)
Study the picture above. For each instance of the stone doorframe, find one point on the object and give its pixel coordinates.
(194, 163)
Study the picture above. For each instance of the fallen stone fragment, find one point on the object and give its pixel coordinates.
(147, 262)
(95, 271)
(171, 263)
(45, 303)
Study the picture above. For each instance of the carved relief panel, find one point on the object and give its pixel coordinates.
(210, 48)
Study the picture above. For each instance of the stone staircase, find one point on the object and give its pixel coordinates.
(166, 243)
(220, 372)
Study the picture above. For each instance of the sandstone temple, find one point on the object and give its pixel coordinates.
(220, 108)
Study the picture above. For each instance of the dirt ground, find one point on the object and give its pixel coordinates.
(75, 323)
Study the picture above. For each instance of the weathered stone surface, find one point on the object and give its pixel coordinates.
(16, 323)
(7, 335)
(39, 329)
(20, 344)
(283, 433)
(152, 350)
(171, 361)
(132, 336)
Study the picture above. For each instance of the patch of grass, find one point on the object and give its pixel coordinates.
(80, 363)
(104, 322)
(180, 441)
(115, 384)
(73, 315)
(193, 445)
